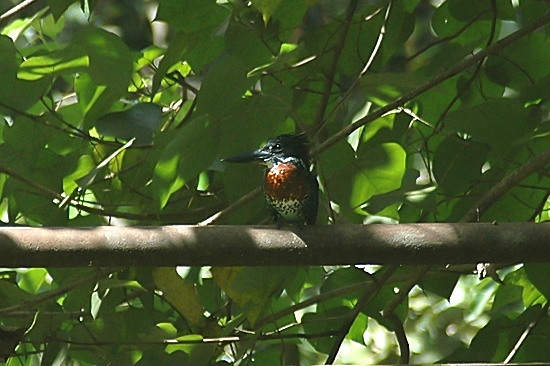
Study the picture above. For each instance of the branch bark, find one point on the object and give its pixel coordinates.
(246, 245)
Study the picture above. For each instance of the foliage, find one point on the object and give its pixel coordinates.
(101, 125)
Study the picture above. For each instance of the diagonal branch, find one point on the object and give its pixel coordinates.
(52, 294)
(96, 210)
(543, 313)
(500, 189)
(233, 207)
(435, 81)
(15, 9)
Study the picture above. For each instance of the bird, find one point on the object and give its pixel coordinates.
(290, 188)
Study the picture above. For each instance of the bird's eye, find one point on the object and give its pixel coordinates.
(277, 146)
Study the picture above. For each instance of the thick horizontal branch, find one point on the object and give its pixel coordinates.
(246, 245)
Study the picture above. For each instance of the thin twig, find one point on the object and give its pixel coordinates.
(378, 43)
(502, 187)
(196, 340)
(72, 131)
(543, 312)
(234, 206)
(52, 294)
(22, 5)
(441, 40)
(55, 196)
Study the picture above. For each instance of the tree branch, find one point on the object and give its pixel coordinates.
(543, 313)
(266, 245)
(52, 294)
(233, 207)
(15, 9)
(197, 340)
(186, 215)
(500, 189)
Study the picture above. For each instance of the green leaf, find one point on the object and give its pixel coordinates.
(508, 301)
(240, 179)
(89, 178)
(191, 16)
(441, 285)
(94, 100)
(58, 7)
(457, 164)
(497, 122)
(66, 61)
(192, 150)
(173, 54)
(110, 58)
(324, 321)
(252, 288)
(495, 340)
(243, 43)
(226, 78)
(532, 53)
(7, 60)
(382, 87)
(109, 283)
(32, 280)
(376, 170)
(358, 328)
(290, 14)
(288, 55)
(259, 117)
(12, 295)
(538, 274)
(15, 93)
(180, 293)
(343, 277)
(452, 16)
(139, 122)
(266, 7)
(56, 352)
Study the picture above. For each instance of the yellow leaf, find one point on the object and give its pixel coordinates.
(180, 293)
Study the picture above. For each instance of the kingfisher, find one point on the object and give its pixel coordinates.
(290, 188)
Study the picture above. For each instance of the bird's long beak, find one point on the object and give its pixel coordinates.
(257, 155)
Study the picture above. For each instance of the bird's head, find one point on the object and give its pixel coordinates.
(276, 149)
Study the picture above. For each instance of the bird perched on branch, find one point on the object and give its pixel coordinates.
(290, 189)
